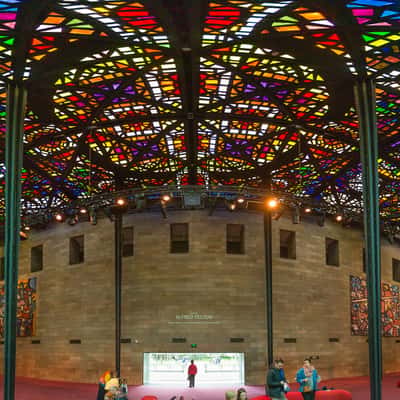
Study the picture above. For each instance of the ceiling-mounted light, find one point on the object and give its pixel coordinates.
(59, 217)
(166, 197)
(230, 205)
(272, 203)
(339, 217)
(121, 202)
(241, 200)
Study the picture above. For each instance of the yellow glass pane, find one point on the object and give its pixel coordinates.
(379, 43)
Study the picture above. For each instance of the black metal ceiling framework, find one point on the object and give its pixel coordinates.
(236, 109)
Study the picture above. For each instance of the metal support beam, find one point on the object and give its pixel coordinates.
(366, 108)
(118, 290)
(268, 273)
(16, 101)
(268, 284)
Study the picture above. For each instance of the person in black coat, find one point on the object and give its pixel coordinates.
(274, 384)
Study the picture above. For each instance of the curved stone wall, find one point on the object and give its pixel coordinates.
(224, 292)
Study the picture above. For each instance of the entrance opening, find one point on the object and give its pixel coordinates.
(212, 368)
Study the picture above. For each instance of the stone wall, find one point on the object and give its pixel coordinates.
(311, 299)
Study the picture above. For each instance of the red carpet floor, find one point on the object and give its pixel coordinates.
(32, 389)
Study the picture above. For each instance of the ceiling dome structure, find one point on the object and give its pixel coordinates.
(136, 94)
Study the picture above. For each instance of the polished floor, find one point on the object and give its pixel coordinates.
(34, 389)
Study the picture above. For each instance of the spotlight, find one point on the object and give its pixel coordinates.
(339, 218)
(120, 202)
(59, 217)
(307, 210)
(240, 200)
(27, 228)
(230, 205)
(83, 210)
(272, 203)
(120, 207)
(166, 197)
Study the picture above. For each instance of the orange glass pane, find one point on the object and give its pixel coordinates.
(54, 20)
(290, 28)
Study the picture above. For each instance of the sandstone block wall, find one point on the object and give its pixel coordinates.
(311, 299)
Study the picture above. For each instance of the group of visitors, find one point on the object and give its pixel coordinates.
(277, 385)
(112, 387)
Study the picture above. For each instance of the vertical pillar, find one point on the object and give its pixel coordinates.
(268, 283)
(15, 112)
(118, 284)
(365, 101)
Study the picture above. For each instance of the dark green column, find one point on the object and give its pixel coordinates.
(268, 283)
(118, 290)
(366, 108)
(15, 112)
(267, 181)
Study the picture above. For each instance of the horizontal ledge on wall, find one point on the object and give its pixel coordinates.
(237, 340)
(179, 340)
(289, 340)
(126, 340)
(35, 341)
(75, 341)
(334, 340)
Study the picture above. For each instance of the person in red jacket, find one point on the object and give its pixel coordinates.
(192, 371)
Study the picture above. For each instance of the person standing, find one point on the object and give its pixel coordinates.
(101, 385)
(123, 389)
(274, 385)
(308, 378)
(192, 371)
(286, 387)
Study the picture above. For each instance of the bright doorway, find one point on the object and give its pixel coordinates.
(212, 368)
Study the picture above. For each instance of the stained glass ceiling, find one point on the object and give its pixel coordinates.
(127, 94)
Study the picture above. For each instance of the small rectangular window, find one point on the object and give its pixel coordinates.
(332, 252)
(287, 244)
(235, 239)
(37, 258)
(2, 263)
(396, 269)
(127, 241)
(76, 250)
(179, 238)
